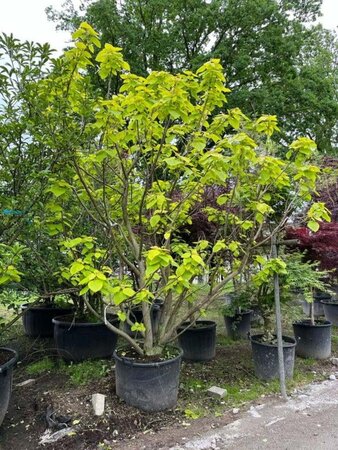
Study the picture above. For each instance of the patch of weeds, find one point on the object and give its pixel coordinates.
(307, 362)
(193, 413)
(300, 378)
(334, 337)
(87, 371)
(39, 367)
(238, 394)
(104, 446)
(193, 385)
(225, 340)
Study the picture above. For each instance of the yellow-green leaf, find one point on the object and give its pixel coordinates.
(95, 285)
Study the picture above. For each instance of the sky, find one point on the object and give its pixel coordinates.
(26, 19)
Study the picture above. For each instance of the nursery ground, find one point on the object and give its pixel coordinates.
(65, 390)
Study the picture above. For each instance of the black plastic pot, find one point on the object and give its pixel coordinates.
(317, 305)
(150, 386)
(313, 341)
(136, 315)
(77, 341)
(8, 358)
(331, 311)
(198, 342)
(334, 288)
(265, 357)
(238, 326)
(37, 320)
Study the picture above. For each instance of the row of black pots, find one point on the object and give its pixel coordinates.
(77, 341)
(311, 341)
(198, 344)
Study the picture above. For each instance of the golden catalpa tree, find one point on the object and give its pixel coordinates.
(139, 165)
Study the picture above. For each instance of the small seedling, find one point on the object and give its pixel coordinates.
(192, 414)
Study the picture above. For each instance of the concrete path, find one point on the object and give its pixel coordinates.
(307, 421)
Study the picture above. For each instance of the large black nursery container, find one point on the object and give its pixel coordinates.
(198, 342)
(265, 357)
(238, 326)
(78, 340)
(331, 311)
(150, 386)
(313, 341)
(37, 319)
(8, 358)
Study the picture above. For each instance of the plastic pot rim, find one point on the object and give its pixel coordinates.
(208, 325)
(60, 320)
(288, 341)
(306, 324)
(132, 362)
(242, 313)
(41, 307)
(10, 363)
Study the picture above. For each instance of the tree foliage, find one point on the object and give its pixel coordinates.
(138, 163)
(274, 59)
(31, 150)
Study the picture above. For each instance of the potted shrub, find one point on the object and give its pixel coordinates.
(26, 163)
(138, 164)
(322, 247)
(264, 345)
(237, 313)
(313, 335)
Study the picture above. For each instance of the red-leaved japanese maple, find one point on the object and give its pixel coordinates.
(321, 246)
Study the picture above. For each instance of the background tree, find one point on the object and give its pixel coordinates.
(275, 60)
(322, 246)
(32, 148)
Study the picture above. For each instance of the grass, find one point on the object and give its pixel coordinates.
(79, 374)
(40, 367)
(86, 372)
(334, 338)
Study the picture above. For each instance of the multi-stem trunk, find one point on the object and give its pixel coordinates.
(268, 325)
